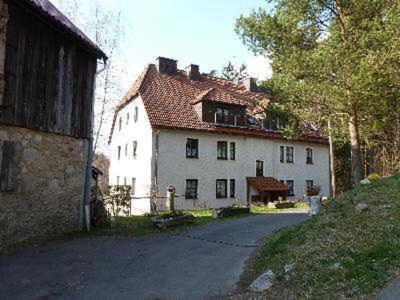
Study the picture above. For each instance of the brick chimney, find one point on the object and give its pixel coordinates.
(166, 66)
(251, 84)
(193, 72)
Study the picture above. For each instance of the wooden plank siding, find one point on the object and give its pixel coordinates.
(49, 78)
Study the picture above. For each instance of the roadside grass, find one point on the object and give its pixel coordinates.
(141, 225)
(341, 252)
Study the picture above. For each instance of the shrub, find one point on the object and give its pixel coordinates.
(373, 176)
(119, 199)
(281, 205)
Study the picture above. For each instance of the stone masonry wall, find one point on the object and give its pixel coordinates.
(49, 187)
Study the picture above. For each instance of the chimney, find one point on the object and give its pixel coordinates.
(193, 72)
(166, 66)
(251, 84)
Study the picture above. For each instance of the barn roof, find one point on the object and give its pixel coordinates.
(52, 14)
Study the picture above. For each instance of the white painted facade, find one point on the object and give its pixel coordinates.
(173, 168)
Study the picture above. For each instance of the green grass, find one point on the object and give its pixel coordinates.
(365, 244)
(141, 225)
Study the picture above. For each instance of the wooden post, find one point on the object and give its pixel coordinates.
(171, 198)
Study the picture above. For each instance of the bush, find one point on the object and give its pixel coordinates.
(119, 199)
(373, 177)
(281, 205)
(232, 211)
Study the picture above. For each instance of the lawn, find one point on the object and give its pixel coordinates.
(141, 225)
(340, 253)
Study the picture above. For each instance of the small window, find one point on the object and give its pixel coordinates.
(119, 152)
(133, 186)
(191, 188)
(282, 154)
(309, 184)
(134, 149)
(221, 188)
(127, 118)
(309, 158)
(136, 115)
(126, 150)
(290, 184)
(120, 124)
(232, 150)
(192, 148)
(222, 150)
(117, 180)
(124, 180)
(232, 184)
(259, 168)
(289, 154)
(222, 115)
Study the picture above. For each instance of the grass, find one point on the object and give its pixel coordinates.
(341, 252)
(141, 225)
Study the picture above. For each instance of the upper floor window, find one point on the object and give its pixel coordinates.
(136, 115)
(192, 148)
(290, 184)
(259, 168)
(232, 150)
(126, 150)
(120, 123)
(117, 180)
(289, 154)
(127, 118)
(282, 154)
(134, 149)
(119, 152)
(222, 115)
(309, 184)
(221, 188)
(222, 150)
(191, 188)
(124, 180)
(232, 184)
(309, 157)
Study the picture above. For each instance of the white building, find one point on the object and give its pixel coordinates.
(194, 132)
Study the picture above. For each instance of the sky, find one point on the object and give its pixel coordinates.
(190, 31)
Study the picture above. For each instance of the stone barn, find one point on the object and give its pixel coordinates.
(47, 80)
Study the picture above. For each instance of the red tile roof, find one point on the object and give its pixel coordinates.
(168, 100)
(267, 184)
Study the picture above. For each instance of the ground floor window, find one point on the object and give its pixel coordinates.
(221, 188)
(290, 184)
(133, 188)
(232, 188)
(309, 184)
(191, 188)
(117, 180)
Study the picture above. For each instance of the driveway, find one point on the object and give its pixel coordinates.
(200, 263)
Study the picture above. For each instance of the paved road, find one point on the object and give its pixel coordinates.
(200, 263)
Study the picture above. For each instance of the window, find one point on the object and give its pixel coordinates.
(232, 188)
(222, 150)
(127, 118)
(309, 158)
(192, 148)
(221, 188)
(259, 168)
(289, 154)
(232, 151)
(309, 184)
(126, 150)
(120, 123)
(282, 154)
(119, 152)
(191, 188)
(117, 180)
(282, 181)
(222, 115)
(124, 180)
(136, 115)
(133, 188)
(290, 184)
(134, 149)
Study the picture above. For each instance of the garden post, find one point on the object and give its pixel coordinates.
(171, 198)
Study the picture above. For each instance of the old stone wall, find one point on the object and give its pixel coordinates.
(3, 29)
(49, 184)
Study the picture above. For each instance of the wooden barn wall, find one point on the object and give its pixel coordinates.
(49, 79)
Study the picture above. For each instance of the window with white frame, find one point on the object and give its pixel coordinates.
(221, 188)
(191, 188)
(192, 148)
(309, 156)
(309, 184)
(222, 150)
(136, 115)
(119, 152)
(289, 154)
(290, 184)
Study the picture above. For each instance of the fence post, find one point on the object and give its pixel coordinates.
(171, 198)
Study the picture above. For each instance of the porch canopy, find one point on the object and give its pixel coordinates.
(269, 188)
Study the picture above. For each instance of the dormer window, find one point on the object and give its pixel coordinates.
(222, 115)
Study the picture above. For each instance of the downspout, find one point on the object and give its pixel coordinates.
(85, 206)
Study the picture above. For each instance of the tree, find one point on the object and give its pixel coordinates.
(332, 59)
(233, 73)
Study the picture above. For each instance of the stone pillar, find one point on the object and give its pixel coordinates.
(171, 198)
(3, 31)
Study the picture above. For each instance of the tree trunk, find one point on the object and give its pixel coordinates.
(332, 161)
(355, 149)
